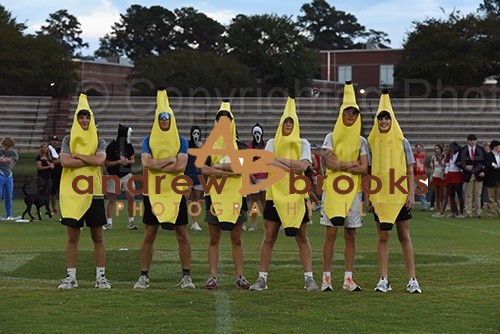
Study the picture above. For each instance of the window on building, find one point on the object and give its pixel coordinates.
(386, 75)
(345, 73)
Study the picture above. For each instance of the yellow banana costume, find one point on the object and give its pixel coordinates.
(346, 148)
(290, 207)
(228, 203)
(387, 153)
(164, 144)
(74, 205)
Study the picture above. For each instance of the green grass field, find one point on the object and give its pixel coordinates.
(457, 266)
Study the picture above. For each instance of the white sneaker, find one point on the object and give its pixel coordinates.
(438, 215)
(349, 285)
(142, 283)
(326, 284)
(196, 227)
(102, 283)
(68, 283)
(10, 218)
(132, 225)
(413, 287)
(107, 227)
(187, 282)
(311, 284)
(253, 228)
(383, 285)
(259, 285)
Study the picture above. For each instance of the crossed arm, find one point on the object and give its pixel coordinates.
(80, 160)
(359, 166)
(166, 165)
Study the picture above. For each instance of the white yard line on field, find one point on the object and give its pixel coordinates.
(463, 225)
(223, 312)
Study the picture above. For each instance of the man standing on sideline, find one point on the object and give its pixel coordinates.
(419, 169)
(346, 155)
(83, 155)
(471, 161)
(164, 154)
(119, 161)
(55, 150)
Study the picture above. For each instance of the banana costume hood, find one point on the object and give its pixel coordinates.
(164, 144)
(74, 205)
(346, 148)
(229, 201)
(290, 207)
(387, 153)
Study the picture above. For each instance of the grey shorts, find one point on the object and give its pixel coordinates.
(123, 184)
(353, 218)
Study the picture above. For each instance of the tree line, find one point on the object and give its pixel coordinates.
(185, 49)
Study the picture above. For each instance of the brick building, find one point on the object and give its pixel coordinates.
(370, 69)
(106, 76)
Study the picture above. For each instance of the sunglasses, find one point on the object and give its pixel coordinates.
(164, 116)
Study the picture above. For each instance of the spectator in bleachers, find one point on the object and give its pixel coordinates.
(55, 149)
(418, 170)
(454, 182)
(438, 165)
(492, 179)
(8, 159)
(44, 166)
(471, 161)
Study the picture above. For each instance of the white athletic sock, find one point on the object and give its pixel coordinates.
(263, 274)
(71, 272)
(109, 221)
(347, 274)
(307, 274)
(327, 274)
(99, 272)
(131, 219)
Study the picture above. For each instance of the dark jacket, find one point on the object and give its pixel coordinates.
(464, 159)
(492, 178)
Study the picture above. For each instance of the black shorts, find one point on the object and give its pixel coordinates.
(95, 216)
(404, 214)
(214, 220)
(270, 213)
(149, 218)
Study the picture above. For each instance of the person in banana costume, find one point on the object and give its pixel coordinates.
(224, 210)
(346, 155)
(81, 199)
(283, 208)
(164, 155)
(392, 163)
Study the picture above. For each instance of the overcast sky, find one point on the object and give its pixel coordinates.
(97, 16)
